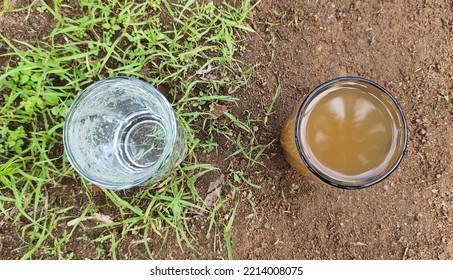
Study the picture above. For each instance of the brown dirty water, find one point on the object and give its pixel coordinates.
(348, 131)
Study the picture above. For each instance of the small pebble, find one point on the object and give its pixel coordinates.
(438, 176)
(386, 187)
(434, 191)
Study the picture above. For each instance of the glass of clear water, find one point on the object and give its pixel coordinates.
(121, 132)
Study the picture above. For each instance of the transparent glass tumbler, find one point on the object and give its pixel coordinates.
(348, 132)
(121, 132)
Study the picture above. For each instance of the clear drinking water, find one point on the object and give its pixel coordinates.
(121, 132)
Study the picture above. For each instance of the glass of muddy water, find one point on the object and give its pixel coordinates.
(121, 132)
(349, 132)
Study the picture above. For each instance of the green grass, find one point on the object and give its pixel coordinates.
(274, 99)
(5, 7)
(444, 96)
(188, 48)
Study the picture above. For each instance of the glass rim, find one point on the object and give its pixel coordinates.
(84, 94)
(325, 178)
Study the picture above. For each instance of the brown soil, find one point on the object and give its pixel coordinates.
(405, 47)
